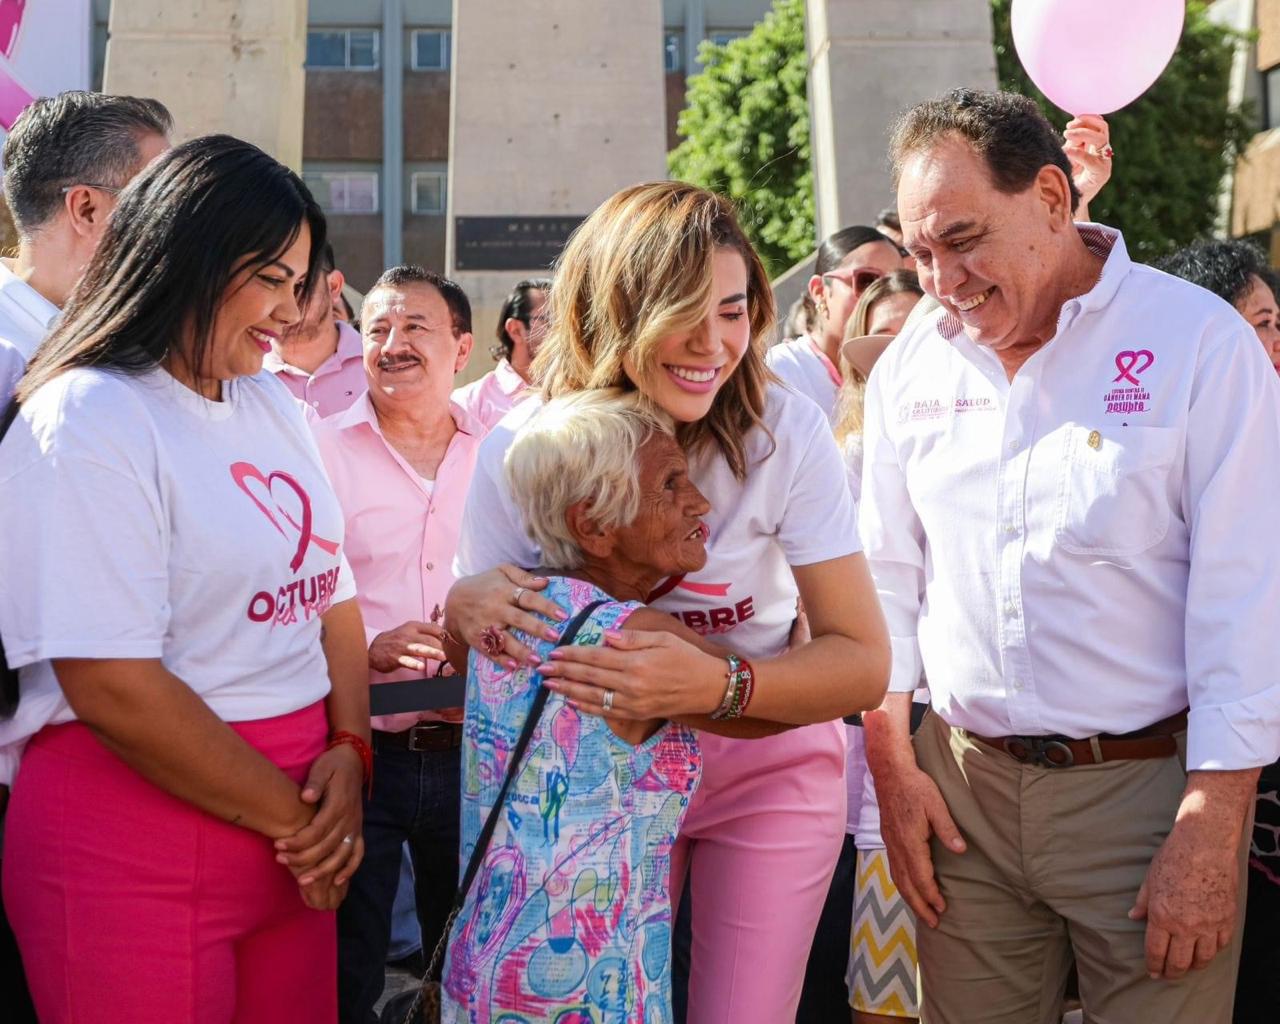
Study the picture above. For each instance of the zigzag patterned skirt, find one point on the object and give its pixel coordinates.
(882, 954)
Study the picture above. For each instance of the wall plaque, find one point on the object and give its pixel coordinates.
(510, 243)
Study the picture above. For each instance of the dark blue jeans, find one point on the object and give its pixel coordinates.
(415, 799)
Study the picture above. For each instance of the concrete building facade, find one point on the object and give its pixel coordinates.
(1251, 200)
(370, 63)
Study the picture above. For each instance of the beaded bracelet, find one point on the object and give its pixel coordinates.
(738, 691)
(361, 747)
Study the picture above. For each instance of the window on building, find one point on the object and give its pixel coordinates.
(672, 52)
(431, 49)
(1271, 87)
(427, 192)
(349, 48)
(723, 37)
(343, 191)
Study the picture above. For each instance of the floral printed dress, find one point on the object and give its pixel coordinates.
(569, 918)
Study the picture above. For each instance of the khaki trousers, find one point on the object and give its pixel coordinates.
(1054, 861)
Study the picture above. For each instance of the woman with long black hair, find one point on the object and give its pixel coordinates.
(192, 735)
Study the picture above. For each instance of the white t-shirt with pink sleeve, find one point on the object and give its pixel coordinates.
(143, 521)
(793, 509)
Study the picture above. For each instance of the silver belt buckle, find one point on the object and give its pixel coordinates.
(418, 737)
(1037, 750)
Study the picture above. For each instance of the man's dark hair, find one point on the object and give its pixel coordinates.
(519, 306)
(74, 138)
(1007, 130)
(454, 297)
(888, 218)
(1224, 268)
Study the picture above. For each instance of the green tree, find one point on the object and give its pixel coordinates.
(1173, 145)
(745, 133)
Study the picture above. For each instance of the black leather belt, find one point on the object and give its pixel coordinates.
(423, 737)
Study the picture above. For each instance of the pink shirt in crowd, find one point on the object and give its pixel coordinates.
(492, 396)
(391, 513)
(337, 382)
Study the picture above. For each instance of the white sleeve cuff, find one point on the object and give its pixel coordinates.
(1232, 737)
(905, 675)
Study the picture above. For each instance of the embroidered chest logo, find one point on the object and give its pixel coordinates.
(312, 596)
(975, 405)
(927, 409)
(1129, 395)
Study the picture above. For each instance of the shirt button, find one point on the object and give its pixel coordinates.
(1011, 528)
(429, 566)
(1014, 446)
(315, 405)
(1011, 609)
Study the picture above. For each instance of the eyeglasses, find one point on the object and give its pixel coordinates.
(858, 280)
(92, 184)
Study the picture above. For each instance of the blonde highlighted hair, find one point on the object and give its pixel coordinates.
(580, 447)
(638, 270)
(853, 392)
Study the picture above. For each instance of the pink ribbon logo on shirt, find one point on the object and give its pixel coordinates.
(1127, 363)
(245, 474)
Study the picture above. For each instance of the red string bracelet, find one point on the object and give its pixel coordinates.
(342, 737)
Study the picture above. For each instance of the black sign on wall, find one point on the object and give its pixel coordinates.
(510, 243)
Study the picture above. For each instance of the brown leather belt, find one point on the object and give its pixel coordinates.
(1158, 740)
(423, 737)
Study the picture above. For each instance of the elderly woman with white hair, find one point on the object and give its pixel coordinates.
(569, 914)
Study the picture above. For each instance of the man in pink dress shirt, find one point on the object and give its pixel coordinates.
(400, 460)
(320, 358)
(522, 325)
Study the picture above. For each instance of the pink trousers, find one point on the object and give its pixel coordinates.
(132, 905)
(760, 843)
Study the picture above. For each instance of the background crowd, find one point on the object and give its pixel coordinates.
(735, 680)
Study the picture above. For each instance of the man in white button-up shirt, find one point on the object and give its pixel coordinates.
(1069, 490)
(65, 160)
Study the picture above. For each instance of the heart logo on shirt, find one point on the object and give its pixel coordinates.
(1131, 363)
(253, 481)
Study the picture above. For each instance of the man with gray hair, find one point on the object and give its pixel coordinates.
(65, 160)
(1068, 507)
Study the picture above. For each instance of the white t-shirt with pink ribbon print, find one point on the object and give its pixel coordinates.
(143, 521)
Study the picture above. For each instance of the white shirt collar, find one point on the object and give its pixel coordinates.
(25, 314)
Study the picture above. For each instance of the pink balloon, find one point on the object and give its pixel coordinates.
(1096, 56)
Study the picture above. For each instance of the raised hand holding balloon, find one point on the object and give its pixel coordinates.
(1095, 56)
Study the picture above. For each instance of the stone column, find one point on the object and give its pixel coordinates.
(218, 65)
(868, 61)
(556, 104)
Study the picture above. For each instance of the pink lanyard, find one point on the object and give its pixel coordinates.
(832, 370)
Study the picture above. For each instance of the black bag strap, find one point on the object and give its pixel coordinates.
(495, 812)
(517, 755)
(8, 677)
